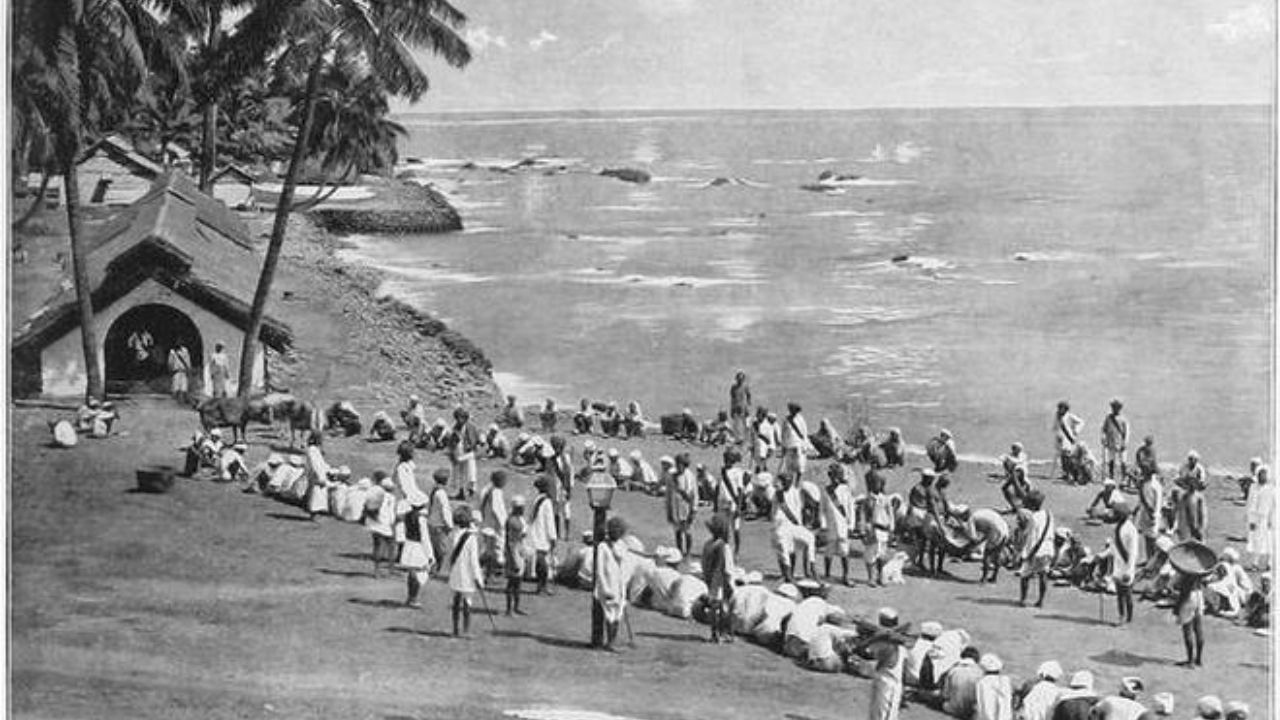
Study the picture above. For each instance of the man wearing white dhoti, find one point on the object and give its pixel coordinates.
(791, 539)
(1261, 515)
(610, 590)
(493, 515)
(466, 577)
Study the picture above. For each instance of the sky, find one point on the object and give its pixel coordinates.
(811, 54)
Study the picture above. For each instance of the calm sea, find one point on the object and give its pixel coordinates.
(1050, 254)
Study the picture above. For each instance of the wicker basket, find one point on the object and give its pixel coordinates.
(1192, 558)
(155, 478)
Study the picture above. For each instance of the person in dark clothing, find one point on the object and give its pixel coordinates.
(717, 568)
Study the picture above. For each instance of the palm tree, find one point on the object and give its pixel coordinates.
(77, 62)
(379, 33)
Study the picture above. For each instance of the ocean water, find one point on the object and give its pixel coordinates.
(972, 269)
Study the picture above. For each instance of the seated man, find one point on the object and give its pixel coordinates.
(548, 417)
(511, 415)
(893, 449)
(643, 477)
(960, 685)
(718, 431)
(1015, 487)
(437, 437)
(381, 430)
(688, 428)
(1106, 499)
(826, 441)
(1229, 587)
(620, 469)
(415, 420)
(528, 450)
(495, 443)
(1257, 608)
(634, 420)
(342, 417)
(611, 420)
(584, 418)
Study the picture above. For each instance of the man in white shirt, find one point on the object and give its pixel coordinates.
(542, 531)
(1066, 433)
(788, 530)
(440, 518)
(795, 441)
(219, 371)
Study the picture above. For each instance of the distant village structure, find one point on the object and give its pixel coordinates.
(175, 268)
(233, 185)
(112, 172)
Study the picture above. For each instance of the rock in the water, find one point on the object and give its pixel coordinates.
(901, 258)
(631, 175)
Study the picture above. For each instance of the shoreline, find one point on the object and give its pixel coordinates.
(523, 387)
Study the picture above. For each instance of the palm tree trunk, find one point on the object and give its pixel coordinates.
(80, 268)
(283, 207)
(209, 140)
(38, 203)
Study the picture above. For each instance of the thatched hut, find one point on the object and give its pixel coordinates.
(176, 267)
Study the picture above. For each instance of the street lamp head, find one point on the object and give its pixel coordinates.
(600, 491)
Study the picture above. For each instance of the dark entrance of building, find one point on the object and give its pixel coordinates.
(136, 350)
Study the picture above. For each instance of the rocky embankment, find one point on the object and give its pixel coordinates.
(401, 208)
(354, 344)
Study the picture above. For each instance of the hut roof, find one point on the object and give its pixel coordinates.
(123, 152)
(234, 172)
(178, 236)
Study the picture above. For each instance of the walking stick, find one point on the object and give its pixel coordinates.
(485, 602)
(1101, 607)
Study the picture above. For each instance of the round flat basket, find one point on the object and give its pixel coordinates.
(1192, 558)
(155, 478)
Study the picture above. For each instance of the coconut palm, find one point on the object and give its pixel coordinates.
(77, 64)
(379, 33)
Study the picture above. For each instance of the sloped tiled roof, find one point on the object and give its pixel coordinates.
(188, 234)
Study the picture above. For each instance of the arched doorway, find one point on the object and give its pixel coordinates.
(137, 348)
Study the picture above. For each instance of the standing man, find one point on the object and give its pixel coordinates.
(219, 371)
(439, 517)
(795, 441)
(1190, 516)
(789, 531)
(728, 497)
(542, 532)
(1261, 512)
(877, 518)
(837, 512)
(717, 572)
(1124, 566)
(887, 659)
(740, 405)
(1066, 433)
(561, 465)
(1150, 518)
(610, 581)
(1037, 550)
(180, 369)
(1145, 458)
(682, 497)
(493, 516)
(765, 439)
(464, 440)
(1115, 439)
(514, 556)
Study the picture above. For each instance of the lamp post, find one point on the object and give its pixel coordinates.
(599, 496)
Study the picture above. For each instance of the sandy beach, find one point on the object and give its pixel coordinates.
(206, 602)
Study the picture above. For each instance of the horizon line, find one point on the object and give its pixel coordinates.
(1011, 106)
